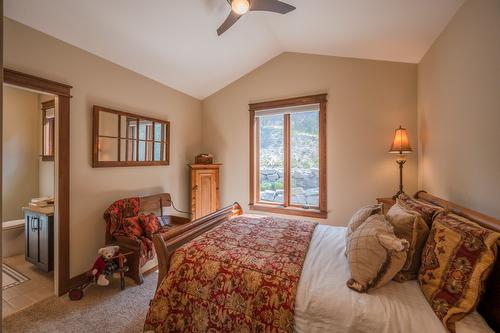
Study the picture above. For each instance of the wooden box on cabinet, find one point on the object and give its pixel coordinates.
(39, 232)
(204, 189)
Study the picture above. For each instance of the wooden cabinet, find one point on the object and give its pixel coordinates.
(204, 189)
(39, 231)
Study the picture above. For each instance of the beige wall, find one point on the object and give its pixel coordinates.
(21, 143)
(459, 110)
(367, 101)
(97, 81)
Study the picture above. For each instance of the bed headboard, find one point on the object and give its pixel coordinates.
(483, 220)
(489, 306)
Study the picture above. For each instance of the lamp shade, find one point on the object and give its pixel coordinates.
(401, 144)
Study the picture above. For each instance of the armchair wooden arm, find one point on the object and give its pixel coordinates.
(167, 242)
(176, 220)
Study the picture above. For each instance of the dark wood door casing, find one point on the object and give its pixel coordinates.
(63, 94)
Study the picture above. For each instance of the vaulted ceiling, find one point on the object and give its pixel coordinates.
(175, 41)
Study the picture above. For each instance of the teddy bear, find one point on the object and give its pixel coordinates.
(106, 264)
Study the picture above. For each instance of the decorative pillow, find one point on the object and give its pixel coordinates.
(456, 261)
(375, 254)
(132, 227)
(488, 307)
(427, 211)
(361, 215)
(149, 224)
(411, 226)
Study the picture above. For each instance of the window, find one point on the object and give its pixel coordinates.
(125, 139)
(288, 156)
(48, 130)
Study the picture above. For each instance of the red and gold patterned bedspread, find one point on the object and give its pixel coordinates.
(241, 276)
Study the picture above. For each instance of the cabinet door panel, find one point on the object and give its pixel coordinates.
(206, 193)
(43, 234)
(31, 224)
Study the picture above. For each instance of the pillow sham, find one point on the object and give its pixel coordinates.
(149, 224)
(361, 215)
(132, 227)
(375, 254)
(411, 226)
(456, 261)
(427, 211)
(488, 307)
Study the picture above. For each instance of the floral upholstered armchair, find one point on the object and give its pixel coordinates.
(131, 224)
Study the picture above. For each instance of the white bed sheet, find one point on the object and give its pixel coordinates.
(325, 304)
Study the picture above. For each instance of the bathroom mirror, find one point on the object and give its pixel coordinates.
(126, 139)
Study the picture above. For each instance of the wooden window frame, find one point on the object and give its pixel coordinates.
(165, 140)
(47, 106)
(286, 207)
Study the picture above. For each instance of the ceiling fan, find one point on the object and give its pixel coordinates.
(241, 7)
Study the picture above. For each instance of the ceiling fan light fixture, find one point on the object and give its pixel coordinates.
(240, 7)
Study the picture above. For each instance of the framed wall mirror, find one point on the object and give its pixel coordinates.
(48, 130)
(126, 139)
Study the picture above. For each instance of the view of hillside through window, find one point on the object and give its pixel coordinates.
(304, 158)
(272, 155)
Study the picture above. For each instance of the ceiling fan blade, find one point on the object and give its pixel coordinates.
(274, 6)
(228, 23)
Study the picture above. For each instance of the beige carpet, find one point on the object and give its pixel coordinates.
(102, 309)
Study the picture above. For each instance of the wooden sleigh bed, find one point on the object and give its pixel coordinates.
(167, 243)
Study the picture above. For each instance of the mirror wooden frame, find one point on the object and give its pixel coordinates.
(96, 163)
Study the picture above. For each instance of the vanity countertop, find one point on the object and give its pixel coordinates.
(47, 210)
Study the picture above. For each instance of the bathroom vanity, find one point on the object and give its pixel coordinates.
(39, 231)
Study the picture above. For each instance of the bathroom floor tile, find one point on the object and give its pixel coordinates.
(41, 294)
(21, 301)
(39, 287)
(7, 309)
(10, 293)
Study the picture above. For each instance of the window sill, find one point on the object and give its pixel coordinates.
(289, 210)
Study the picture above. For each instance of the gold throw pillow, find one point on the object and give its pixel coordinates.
(456, 261)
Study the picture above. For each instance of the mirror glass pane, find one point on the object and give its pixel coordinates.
(149, 151)
(108, 124)
(159, 131)
(108, 149)
(164, 134)
(145, 130)
(128, 127)
(157, 151)
(145, 151)
(128, 150)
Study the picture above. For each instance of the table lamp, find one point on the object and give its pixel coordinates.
(401, 146)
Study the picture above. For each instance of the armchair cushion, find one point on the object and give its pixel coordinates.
(149, 224)
(132, 227)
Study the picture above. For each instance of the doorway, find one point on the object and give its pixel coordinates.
(28, 178)
(60, 94)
